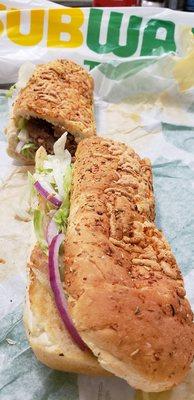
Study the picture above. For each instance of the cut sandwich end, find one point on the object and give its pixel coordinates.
(46, 332)
(40, 132)
(53, 355)
(37, 132)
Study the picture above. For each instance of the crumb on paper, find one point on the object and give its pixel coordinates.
(135, 117)
(2, 261)
(10, 341)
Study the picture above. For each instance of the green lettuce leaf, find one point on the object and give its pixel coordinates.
(68, 179)
(62, 214)
(28, 150)
(10, 91)
(38, 227)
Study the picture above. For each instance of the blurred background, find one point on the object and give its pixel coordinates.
(184, 5)
(74, 3)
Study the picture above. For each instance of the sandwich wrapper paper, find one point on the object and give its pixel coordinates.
(148, 103)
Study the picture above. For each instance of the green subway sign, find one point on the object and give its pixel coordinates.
(152, 43)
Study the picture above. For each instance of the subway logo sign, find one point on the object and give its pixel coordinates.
(103, 32)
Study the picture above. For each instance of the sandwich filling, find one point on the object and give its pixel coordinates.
(34, 132)
(50, 192)
(50, 203)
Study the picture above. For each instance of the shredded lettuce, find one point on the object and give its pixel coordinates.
(38, 227)
(25, 72)
(62, 214)
(28, 150)
(21, 123)
(23, 135)
(40, 157)
(68, 179)
(55, 165)
(10, 91)
(59, 146)
(55, 173)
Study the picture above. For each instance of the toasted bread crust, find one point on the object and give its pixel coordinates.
(60, 92)
(46, 332)
(127, 297)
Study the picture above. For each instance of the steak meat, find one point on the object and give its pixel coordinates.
(43, 133)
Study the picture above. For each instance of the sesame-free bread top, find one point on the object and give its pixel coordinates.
(60, 92)
(126, 292)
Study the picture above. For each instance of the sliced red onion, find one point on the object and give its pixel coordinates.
(54, 199)
(19, 146)
(51, 231)
(57, 288)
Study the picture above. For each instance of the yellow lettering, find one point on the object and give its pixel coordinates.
(63, 27)
(2, 7)
(35, 34)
